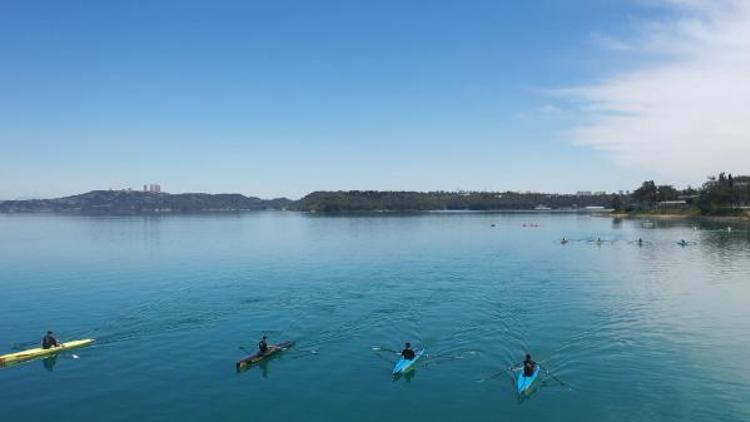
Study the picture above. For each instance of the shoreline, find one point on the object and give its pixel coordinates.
(681, 216)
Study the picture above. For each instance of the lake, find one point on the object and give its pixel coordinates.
(657, 332)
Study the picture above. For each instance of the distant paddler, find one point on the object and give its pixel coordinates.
(262, 346)
(529, 366)
(408, 353)
(564, 240)
(49, 341)
(682, 242)
(527, 375)
(639, 241)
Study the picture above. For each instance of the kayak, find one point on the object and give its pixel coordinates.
(523, 383)
(40, 352)
(272, 350)
(404, 365)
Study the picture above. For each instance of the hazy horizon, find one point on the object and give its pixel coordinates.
(282, 99)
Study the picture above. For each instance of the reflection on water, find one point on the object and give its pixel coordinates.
(49, 363)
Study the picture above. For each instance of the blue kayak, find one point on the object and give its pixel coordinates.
(523, 383)
(403, 365)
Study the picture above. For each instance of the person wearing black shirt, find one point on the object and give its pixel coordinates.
(262, 346)
(408, 353)
(529, 366)
(50, 341)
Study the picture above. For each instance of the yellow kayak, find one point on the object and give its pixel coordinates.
(39, 352)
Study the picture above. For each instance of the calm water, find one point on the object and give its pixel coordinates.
(658, 332)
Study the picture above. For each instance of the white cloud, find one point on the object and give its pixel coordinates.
(610, 43)
(687, 116)
(549, 109)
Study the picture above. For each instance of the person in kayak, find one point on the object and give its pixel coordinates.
(262, 346)
(49, 341)
(408, 353)
(529, 366)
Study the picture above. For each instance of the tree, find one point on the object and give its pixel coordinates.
(647, 193)
(717, 195)
(666, 193)
(617, 203)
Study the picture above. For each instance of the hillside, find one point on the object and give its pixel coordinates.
(136, 202)
(347, 201)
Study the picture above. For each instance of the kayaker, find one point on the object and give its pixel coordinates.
(640, 241)
(529, 366)
(262, 346)
(564, 240)
(408, 353)
(49, 341)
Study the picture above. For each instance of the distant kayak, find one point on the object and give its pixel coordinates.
(523, 383)
(272, 350)
(404, 365)
(40, 352)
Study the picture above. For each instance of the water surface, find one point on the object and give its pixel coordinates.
(651, 332)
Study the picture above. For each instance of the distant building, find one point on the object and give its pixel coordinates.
(153, 188)
(681, 203)
(583, 193)
(601, 192)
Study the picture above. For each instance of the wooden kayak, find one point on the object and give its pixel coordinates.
(272, 350)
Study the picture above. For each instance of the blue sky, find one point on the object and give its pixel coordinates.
(282, 98)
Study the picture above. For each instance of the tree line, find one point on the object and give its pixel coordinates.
(369, 200)
(719, 195)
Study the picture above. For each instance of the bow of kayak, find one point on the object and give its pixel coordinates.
(40, 352)
(523, 382)
(272, 350)
(404, 365)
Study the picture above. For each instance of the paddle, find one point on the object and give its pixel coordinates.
(283, 349)
(383, 349)
(510, 368)
(441, 357)
(25, 345)
(549, 374)
(459, 355)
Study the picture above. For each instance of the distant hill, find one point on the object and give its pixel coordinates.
(353, 201)
(136, 202)
(106, 202)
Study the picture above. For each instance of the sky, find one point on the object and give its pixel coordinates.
(281, 98)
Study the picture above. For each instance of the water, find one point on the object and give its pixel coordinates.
(657, 332)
